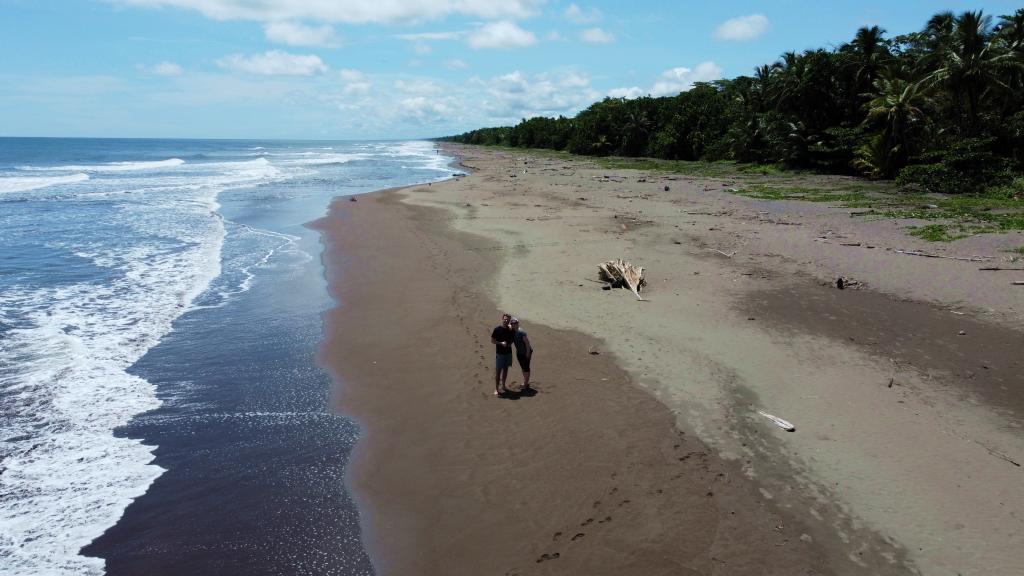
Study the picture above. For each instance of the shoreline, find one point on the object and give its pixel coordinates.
(612, 486)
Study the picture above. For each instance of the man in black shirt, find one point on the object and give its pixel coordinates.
(502, 337)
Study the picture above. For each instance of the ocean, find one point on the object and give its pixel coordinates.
(160, 309)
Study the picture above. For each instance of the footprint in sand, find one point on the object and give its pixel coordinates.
(587, 522)
(556, 537)
(578, 536)
(624, 502)
(544, 557)
(597, 503)
(606, 519)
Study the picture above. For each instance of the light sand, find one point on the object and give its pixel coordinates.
(921, 468)
(589, 476)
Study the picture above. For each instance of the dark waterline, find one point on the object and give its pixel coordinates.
(255, 460)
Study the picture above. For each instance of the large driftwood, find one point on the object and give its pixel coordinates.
(620, 273)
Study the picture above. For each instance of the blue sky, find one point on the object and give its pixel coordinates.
(360, 69)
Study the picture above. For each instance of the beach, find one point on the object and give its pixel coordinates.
(644, 450)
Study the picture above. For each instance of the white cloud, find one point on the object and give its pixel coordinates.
(596, 36)
(348, 11)
(676, 80)
(349, 75)
(503, 34)
(274, 63)
(430, 36)
(165, 69)
(420, 40)
(672, 81)
(630, 93)
(577, 15)
(456, 64)
(514, 96)
(356, 88)
(421, 108)
(418, 87)
(294, 34)
(743, 28)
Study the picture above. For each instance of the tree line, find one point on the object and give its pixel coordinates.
(940, 108)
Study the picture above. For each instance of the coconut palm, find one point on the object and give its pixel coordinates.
(971, 65)
(898, 107)
(868, 55)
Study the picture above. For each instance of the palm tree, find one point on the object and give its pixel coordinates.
(898, 106)
(971, 64)
(762, 88)
(869, 56)
(1010, 37)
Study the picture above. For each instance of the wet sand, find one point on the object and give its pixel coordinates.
(649, 457)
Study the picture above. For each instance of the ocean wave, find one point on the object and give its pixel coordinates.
(67, 477)
(63, 363)
(320, 159)
(26, 183)
(155, 247)
(109, 167)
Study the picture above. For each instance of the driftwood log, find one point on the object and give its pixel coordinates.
(620, 273)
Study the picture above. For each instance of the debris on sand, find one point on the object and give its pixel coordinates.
(844, 282)
(619, 273)
(785, 425)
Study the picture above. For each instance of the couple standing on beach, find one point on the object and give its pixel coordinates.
(503, 337)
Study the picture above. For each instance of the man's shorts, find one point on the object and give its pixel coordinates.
(502, 361)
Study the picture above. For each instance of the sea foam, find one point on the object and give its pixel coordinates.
(111, 166)
(66, 348)
(26, 183)
(149, 245)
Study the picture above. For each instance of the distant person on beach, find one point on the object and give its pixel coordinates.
(524, 351)
(502, 337)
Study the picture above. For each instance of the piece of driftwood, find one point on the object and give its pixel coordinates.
(785, 425)
(726, 254)
(1018, 282)
(998, 268)
(621, 273)
(926, 255)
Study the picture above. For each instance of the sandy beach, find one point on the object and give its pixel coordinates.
(651, 457)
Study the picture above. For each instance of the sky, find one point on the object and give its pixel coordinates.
(388, 69)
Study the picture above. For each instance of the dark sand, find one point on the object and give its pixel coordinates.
(588, 476)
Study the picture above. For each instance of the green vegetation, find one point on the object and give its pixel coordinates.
(936, 111)
(848, 199)
(935, 233)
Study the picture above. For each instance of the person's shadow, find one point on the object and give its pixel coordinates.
(520, 393)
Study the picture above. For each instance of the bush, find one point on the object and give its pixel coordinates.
(968, 167)
(932, 178)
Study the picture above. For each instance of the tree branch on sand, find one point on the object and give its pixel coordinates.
(620, 273)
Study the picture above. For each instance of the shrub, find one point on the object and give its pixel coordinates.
(968, 167)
